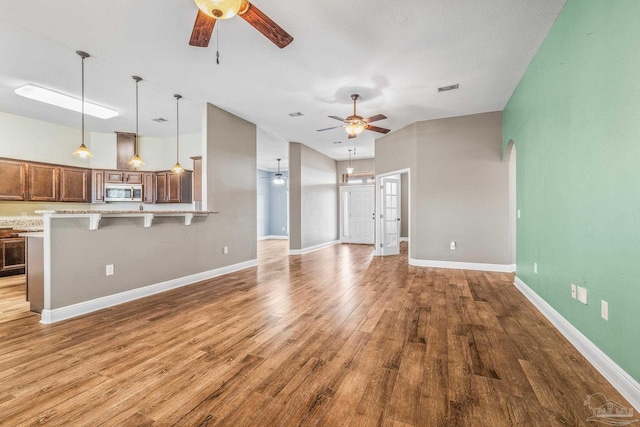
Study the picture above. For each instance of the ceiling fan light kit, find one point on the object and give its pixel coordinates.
(219, 9)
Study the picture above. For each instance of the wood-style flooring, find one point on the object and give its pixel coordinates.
(336, 337)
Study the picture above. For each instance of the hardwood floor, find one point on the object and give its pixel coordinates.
(335, 337)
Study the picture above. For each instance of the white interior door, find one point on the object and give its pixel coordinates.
(390, 218)
(356, 214)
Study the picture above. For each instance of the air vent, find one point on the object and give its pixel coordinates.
(337, 142)
(298, 114)
(160, 120)
(450, 87)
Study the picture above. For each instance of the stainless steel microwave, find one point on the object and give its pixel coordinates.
(123, 192)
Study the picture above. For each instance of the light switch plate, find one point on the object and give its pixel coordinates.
(109, 270)
(604, 309)
(582, 294)
(535, 267)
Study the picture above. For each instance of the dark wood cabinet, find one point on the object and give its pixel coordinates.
(12, 252)
(13, 180)
(126, 147)
(74, 185)
(149, 187)
(42, 183)
(133, 177)
(97, 186)
(123, 177)
(174, 188)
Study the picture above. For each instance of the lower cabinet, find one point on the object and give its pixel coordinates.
(173, 187)
(12, 255)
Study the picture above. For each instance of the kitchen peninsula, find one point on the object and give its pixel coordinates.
(94, 259)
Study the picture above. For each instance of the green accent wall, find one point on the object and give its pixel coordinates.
(575, 122)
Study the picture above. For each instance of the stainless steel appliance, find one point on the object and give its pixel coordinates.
(123, 192)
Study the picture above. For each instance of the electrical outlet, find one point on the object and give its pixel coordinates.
(225, 250)
(535, 267)
(604, 309)
(582, 294)
(452, 246)
(574, 291)
(518, 213)
(109, 270)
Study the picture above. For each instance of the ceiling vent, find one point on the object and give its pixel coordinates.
(337, 142)
(160, 120)
(298, 114)
(450, 87)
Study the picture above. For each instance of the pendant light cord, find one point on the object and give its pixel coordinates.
(218, 44)
(177, 127)
(136, 145)
(82, 100)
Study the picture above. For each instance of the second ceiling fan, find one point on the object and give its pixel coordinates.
(355, 124)
(210, 10)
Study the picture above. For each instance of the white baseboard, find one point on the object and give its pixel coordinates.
(501, 268)
(404, 239)
(618, 377)
(313, 248)
(273, 237)
(63, 313)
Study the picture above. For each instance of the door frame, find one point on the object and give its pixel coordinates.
(378, 197)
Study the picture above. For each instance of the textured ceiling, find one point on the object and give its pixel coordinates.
(394, 57)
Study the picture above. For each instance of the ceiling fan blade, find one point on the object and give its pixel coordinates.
(375, 118)
(202, 30)
(377, 129)
(337, 118)
(266, 26)
(335, 127)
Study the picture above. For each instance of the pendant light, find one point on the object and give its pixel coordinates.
(350, 168)
(136, 161)
(82, 150)
(278, 179)
(177, 168)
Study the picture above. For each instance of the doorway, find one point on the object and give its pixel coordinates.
(357, 209)
(392, 212)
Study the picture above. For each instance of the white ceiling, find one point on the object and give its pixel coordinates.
(394, 55)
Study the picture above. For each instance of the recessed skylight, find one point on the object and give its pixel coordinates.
(298, 114)
(58, 99)
(450, 87)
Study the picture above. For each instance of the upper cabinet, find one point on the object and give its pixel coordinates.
(40, 182)
(173, 187)
(126, 147)
(13, 180)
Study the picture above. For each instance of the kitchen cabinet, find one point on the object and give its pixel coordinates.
(149, 187)
(13, 180)
(173, 187)
(126, 147)
(42, 182)
(97, 186)
(123, 177)
(12, 252)
(74, 185)
(197, 178)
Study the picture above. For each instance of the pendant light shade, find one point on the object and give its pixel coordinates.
(82, 150)
(178, 167)
(278, 178)
(136, 161)
(350, 168)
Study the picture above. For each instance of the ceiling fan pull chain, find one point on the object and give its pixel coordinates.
(217, 45)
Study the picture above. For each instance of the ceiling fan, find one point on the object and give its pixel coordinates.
(355, 125)
(210, 10)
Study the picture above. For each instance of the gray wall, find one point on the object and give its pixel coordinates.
(459, 187)
(278, 215)
(264, 195)
(359, 166)
(168, 249)
(313, 190)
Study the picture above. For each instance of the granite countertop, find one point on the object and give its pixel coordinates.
(21, 223)
(123, 212)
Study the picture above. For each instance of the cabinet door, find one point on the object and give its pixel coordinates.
(43, 183)
(133, 178)
(114, 176)
(126, 146)
(161, 188)
(197, 178)
(97, 187)
(74, 185)
(13, 180)
(149, 188)
(12, 254)
(175, 187)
